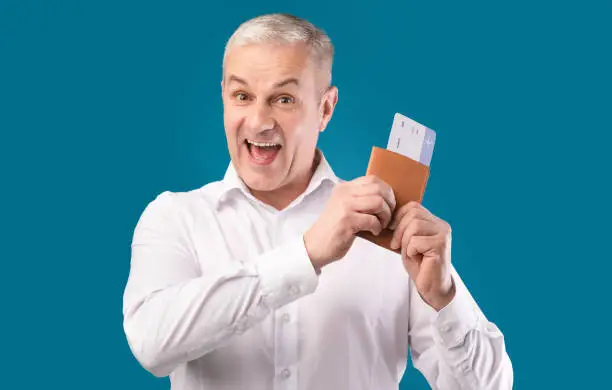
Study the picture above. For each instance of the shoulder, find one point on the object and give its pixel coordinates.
(173, 205)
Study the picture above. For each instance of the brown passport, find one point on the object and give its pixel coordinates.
(408, 179)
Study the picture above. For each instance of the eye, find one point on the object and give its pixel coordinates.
(285, 100)
(241, 96)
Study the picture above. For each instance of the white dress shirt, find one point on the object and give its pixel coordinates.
(222, 295)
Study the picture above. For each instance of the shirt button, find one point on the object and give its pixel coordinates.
(295, 290)
(286, 317)
(285, 373)
(445, 328)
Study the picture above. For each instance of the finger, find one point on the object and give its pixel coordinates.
(416, 228)
(418, 247)
(428, 272)
(367, 179)
(413, 213)
(411, 207)
(398, 230)
(373, 204)
(412, 265)
(372, 185)
(366, 222)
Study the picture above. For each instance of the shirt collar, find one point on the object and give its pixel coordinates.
(323, 173)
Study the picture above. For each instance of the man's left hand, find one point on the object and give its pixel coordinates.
(426, 246)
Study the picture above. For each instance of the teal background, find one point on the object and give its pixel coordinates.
(105, 104)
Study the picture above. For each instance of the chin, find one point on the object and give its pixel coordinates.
(261, 179)
(260, 186)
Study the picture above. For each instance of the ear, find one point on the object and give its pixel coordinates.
(328, 104)
(221, 89)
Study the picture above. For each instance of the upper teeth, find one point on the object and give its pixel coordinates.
(262, 144)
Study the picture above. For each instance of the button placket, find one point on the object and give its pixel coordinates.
(286, 346)
(278, 221)
(286, 329)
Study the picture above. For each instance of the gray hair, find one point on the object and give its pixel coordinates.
(285, 29)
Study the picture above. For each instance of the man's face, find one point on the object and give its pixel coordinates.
(274, 109)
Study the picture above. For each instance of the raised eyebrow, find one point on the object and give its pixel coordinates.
(283, 83)
(236, 79)
(291, 80)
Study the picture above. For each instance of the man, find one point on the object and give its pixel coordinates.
(258, 282)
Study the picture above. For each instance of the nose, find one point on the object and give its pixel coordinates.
(260, 118)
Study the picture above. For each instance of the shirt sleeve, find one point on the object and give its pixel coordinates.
(174, 312)
(457, 347)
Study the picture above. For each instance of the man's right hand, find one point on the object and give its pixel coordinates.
(366, 203)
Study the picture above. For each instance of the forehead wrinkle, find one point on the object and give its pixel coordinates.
(263, 62)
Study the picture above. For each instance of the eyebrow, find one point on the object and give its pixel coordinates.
(291, 80)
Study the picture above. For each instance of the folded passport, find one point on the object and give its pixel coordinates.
(408, 179)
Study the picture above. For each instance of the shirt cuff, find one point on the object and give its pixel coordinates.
(287, 274)
(453, 322)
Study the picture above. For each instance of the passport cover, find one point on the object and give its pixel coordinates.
(408, 179)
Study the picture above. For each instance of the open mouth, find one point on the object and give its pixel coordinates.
(262, 153)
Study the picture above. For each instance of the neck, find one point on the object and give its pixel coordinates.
(284, 195)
